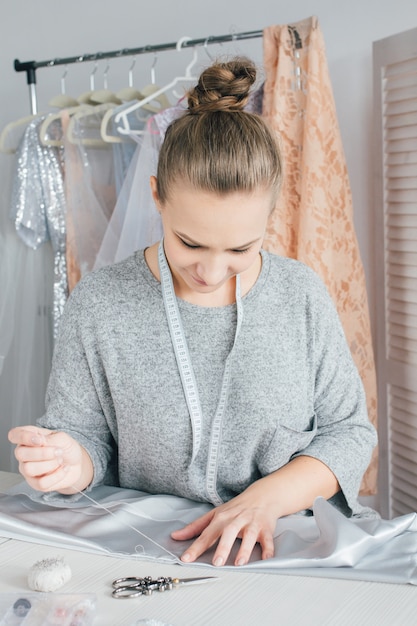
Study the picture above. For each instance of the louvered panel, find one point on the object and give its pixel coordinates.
(402, 295)
(406, 333)
(397, 182)
(401, 208)
(402, 67)
(402, 145)
(403, 436)
(402, 93)
(409, 308)
(402, 503)
(403, 484)
(403, 270)
(402, 356)
(407, 397)
(406, 195)
(402, 131)
(400, 158)
(404, 453)
(407, 445)
(403, 493)
(405, 78)
(401, 286)
(403, 467)
(399, 108)
(398, 220)
(394, 317)
(401, 245)
(401, 120)
(403, 445)
(401, 170)
(395, 89)
(401, 239)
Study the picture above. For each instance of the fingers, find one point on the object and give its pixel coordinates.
(264, 538)
(28, 435)
(223, 527)
(48, 460)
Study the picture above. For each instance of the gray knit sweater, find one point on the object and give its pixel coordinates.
(294, 389)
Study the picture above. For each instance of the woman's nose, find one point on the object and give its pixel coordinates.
(212, 271)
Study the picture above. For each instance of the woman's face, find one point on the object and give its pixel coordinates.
(208, 238)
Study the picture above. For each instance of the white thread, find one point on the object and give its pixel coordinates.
(101, 506)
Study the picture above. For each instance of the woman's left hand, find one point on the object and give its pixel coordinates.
(252, 515)
(247, 516)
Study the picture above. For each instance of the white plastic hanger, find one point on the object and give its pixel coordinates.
(128, 94)
(8, 140)
(122, 116)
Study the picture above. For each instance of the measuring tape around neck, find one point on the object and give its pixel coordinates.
(188, 378)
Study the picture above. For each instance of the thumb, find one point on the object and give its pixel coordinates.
(194, 529)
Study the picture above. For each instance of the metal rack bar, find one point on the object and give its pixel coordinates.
(30, 67)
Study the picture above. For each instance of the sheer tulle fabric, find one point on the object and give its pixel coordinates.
(27, 294)
(313, 219)
(136, 223)
(89, 190)
(26, 328)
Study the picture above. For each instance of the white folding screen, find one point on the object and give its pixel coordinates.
(395, 200)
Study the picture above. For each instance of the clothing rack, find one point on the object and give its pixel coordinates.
(30, 67)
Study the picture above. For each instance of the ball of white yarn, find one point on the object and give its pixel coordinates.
(49, 574)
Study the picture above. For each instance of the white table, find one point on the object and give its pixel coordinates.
(237, 599)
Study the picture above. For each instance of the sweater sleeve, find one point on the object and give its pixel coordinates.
(344, 437)
(75, 402)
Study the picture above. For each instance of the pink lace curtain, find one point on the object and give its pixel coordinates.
(313, 220)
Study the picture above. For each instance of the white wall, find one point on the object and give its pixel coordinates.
(44, 29)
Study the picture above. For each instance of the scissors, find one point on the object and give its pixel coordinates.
(133, 586)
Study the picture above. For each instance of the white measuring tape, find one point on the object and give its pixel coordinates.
(189, 383)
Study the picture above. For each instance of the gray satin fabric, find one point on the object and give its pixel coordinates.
(326, 545)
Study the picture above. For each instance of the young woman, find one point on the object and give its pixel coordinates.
(203, 366)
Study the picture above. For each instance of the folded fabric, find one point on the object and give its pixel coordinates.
(135, 524)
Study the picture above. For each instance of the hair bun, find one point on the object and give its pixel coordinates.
(223, 87)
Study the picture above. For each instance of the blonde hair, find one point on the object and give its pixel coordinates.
(217, 146)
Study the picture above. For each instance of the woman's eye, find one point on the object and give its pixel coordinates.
(241, 251)
(188, 245)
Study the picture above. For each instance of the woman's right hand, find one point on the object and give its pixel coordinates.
(51, 460)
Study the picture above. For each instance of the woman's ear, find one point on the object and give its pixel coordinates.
(154, 190)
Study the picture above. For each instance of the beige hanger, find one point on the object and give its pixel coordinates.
(53, 117)
(5, 146)
(87, 141)
(62, 100)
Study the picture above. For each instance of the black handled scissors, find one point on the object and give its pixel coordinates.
(133, 586)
